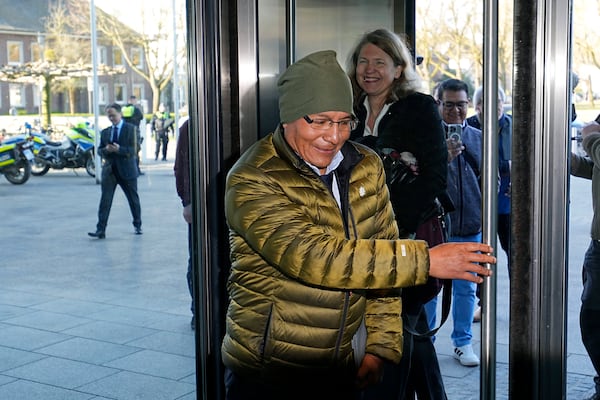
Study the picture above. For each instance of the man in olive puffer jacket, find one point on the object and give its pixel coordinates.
(315, 254)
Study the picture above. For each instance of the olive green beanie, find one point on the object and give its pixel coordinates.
(312, 85)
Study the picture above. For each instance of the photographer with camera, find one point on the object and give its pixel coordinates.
(464, 163)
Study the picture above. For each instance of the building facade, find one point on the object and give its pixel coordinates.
(23, 39)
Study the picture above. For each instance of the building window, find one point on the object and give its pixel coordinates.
(137, 57)
(117, 57)
(138, 91)
(15, 52)
(36, 52)
(102, 55)
(103, 93)
(120, 93)
(16, 94)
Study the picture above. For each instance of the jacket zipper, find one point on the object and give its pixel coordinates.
(346, 215)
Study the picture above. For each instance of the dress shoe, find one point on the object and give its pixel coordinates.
(138, 231)
(97, 234)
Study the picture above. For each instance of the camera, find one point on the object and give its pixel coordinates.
(455, 132)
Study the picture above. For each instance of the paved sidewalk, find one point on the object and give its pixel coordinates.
(94, 319)
(109, 319)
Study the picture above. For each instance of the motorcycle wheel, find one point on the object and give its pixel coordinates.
(39, 168)
(18, 175)
(90, 166)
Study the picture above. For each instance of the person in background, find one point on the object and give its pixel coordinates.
(132, 114)
(161, 126)
(589, 316)
(117, 148)
(505, 124)
(464, 158)
(398, 121)
(182, 184)
(315, 255)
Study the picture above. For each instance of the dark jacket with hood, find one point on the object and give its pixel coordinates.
(464, 185)
(505, 128)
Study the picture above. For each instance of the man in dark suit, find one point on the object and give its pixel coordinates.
(118, 149)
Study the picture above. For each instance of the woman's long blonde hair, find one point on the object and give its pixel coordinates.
(408, 82)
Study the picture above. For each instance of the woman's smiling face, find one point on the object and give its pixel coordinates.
(375, 70)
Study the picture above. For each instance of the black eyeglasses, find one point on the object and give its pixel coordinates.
(450, 105)
(345, 125)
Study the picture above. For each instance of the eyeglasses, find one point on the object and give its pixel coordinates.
(450, 105)
(326, 124)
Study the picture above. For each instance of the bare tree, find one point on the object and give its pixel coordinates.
(157, 66)
(63, 46)
(450, 39)
(586, 43)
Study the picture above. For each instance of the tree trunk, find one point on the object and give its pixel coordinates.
(71, 94)
(46, 105)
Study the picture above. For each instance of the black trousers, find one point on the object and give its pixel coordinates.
(108, 185)
(240, 388)
(418, 372)
(503, 227)
(589, 316)
(161, 139)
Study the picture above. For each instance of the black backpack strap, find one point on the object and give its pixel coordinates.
(409, 325)
(446, 302)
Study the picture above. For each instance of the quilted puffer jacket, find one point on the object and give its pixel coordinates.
(589, 167)
(302, 269)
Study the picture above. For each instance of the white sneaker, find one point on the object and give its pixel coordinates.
(466, 356)
(477, 315)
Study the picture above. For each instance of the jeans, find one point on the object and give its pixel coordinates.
(589, 317)
(463, 303)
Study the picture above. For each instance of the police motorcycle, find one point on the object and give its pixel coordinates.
(38, 139)
(16, 156)
(75, 150)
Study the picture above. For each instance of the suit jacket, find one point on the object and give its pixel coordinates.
(124, 160)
